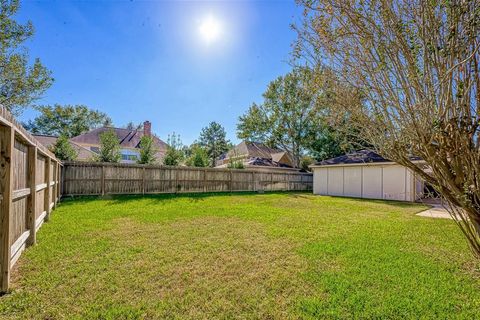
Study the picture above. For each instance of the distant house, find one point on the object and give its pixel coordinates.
(88, 144)
(49, 141)
(257, 155)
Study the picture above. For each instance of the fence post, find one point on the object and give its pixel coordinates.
(204, 180)
(32, 202)
(60, 181)
(253, 181)
(103, 180)
(55, 186)
(231, 180)
(143, 181)
(48, 161)
(7, 140)
(176, 181)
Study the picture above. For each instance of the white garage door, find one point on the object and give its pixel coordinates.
(372, 182)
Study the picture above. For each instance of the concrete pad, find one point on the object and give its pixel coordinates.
(437, 210)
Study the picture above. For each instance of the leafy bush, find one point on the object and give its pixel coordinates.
(147, 150)
(198, 157)
(174, 155)
(109, 147)
(63, 149)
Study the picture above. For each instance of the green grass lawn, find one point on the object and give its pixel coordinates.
(244, 256)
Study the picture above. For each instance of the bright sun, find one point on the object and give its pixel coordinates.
(210, 29)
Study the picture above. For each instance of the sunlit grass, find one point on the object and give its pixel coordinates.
(247, 256)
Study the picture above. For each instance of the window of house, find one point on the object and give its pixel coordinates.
(129, 155)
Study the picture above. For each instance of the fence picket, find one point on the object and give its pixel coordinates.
(80, 179)
(26, 192)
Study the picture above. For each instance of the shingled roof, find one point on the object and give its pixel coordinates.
(357, 157)
(128, 138)
(253, 150)
(49, 142)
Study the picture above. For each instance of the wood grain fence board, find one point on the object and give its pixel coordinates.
(46, 199)
(25, 190)
(32, 201)
(7, 137)
(87, 178)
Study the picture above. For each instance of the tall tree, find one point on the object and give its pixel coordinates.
(66, 120)
(109, 147)
(329, 141)
(63, 150)
(147, 150)
(291, 116)
(416, 65)
(213, 139)
(174, 155)
(20, 83)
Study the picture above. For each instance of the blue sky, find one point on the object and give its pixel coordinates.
(141, 61)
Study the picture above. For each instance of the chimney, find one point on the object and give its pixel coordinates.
(147, 128)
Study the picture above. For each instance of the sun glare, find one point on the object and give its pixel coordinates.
(210, 29)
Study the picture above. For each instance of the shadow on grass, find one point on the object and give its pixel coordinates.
(165, 197)
(391, 203)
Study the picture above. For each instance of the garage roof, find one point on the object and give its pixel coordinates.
(357, 157)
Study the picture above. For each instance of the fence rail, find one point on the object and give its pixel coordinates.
(32, 180)
(29, 190)
(84, 178)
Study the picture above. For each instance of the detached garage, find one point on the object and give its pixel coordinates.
(365, 174)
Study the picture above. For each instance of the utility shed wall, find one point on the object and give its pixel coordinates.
(372, 181)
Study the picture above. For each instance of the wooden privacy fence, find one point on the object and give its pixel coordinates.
(29, 190)
(87, 178)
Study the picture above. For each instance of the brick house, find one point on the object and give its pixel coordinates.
(88, 143)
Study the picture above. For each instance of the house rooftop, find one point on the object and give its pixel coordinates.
(49, 141)
(357, 157)
(252, 149)
(128, 138)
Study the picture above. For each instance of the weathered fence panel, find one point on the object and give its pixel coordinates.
(29, 188)
(90, 178)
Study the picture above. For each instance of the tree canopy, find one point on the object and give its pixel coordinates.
(415, 66)
(293, 116)
(68, 120)
(21, 84)
(213, 139)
